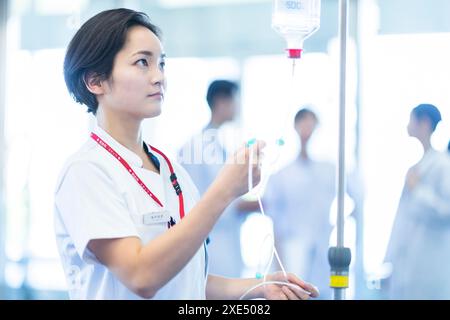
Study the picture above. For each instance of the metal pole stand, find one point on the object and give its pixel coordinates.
(339, 259)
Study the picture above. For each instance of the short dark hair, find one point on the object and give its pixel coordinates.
(93, 48)
(302, 113)
(429, 112)
(220, 89)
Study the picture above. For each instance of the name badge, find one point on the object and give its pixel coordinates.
(156, 217)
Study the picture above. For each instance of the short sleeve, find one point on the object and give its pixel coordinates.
(92, 207)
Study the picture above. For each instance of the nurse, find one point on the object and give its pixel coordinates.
(419, 249)
(129, 222)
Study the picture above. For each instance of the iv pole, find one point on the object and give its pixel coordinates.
(339, 257)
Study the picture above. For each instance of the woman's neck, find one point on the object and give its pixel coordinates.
(125, 130)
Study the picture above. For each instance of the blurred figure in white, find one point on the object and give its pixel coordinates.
(203, 156)
(419, 246)
(298, 198)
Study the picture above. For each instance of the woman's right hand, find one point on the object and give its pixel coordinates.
(233, 178)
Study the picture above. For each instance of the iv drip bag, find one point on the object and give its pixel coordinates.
(295, 21)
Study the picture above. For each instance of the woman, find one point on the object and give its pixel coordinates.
(129, 223)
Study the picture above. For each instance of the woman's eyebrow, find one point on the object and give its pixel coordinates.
(149, 53)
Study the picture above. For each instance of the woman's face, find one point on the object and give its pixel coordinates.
(137, 83)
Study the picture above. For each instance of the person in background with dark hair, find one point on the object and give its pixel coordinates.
(129, 223)
(202, 157)
(419, 246)
(299, 198)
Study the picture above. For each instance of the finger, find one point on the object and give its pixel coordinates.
(255, 157)
(260, 158)
(260, 144)
(251, 153)
(256, 177)
(289, 294)
(299, 292)
(304, 285)
(254, 146)
(283, 296)
(241, 156)
(257, 170)
(256, 173)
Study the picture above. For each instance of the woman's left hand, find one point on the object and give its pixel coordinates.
(295, 288)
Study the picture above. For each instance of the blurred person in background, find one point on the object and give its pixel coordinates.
(202, 157)
(298, 199)
(419, 245)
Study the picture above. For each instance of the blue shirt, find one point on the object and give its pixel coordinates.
(203, 157)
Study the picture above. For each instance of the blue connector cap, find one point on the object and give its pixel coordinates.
(251, 142)
(280, 142)
(259, 275)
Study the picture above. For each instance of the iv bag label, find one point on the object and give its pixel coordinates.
(293, 5)
(303, 7)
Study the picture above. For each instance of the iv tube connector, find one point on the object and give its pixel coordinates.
(294, 53)
(339, 259)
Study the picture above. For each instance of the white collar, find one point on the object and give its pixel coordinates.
(132, 158)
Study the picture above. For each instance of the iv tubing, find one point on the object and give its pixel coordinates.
(274, 250)
(274, 253)
(281, 283)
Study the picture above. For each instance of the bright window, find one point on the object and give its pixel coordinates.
(44, 126)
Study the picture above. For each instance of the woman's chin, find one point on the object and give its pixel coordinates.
(152, 112)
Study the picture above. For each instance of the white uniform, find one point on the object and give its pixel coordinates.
(419, 247)
(298, 198)
(224, 249)
(96, 198)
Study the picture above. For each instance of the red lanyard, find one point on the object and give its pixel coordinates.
(173, 177)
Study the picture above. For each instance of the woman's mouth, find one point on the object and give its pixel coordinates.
(156, 95)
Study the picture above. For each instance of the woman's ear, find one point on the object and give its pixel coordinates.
(94, 83)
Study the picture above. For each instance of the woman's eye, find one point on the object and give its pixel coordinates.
(142, 63)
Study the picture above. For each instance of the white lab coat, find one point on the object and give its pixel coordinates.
(203, 157)
(419, 246)
(298, 198)
(96, 198)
